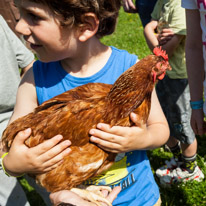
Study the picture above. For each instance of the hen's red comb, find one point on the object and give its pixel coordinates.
(159, 52)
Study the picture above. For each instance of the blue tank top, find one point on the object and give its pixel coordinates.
(131, 170)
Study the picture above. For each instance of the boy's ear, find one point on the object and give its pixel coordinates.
(90, 26)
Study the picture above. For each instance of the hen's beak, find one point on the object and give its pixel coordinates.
(165, 68)
(169, 68)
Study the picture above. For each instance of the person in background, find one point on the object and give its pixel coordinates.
(15, 60)
(143, 7)
(66, 38)
(168, 28)
(14, 56)
(196, 61)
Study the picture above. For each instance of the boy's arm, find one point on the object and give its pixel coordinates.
(25, 69)
(172, 44)
(26, 99)
(152, 38)
(41, 158)
(150, 34)
(123, 139)
(195, 66)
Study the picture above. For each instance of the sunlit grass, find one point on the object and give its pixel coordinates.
(128, 35)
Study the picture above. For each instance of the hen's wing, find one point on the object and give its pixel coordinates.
(90, 90)
(73, 118)
(50, 110)
(74, 122)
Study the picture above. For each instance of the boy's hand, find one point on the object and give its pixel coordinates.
(41, 158)
(129, 6)
(119, 139)
(67, 196)
(197, 122)
(165, 35)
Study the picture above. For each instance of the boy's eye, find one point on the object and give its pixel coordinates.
(34, 17)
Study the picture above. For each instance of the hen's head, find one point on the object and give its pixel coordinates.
(161, 65)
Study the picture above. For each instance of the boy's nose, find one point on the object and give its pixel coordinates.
(22, 27)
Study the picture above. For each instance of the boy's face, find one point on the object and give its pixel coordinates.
(42, 30)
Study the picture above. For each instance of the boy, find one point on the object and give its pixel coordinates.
(168, 20)
(66, 38)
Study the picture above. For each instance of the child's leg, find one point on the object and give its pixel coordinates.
(182, 128)
(168, 94)
(189, 150)
(11, 192)
(172, 142)
(189, 156)
(184, 153)
(174, 146)
(174, 162)
(178, 116)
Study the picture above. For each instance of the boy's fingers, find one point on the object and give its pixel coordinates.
(117, 130)
(111, 197)
(56, 154)
(98, 136)
(51, 163)
(134, 118)
(22, 136)
(103, 129)
(52, 166)
(48, 144)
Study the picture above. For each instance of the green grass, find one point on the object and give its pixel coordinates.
(129, 36)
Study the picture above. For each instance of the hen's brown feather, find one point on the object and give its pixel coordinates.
(75, 112)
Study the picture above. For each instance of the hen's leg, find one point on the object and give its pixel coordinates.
(93, 194)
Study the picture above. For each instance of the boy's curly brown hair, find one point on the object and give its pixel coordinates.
(72, 10)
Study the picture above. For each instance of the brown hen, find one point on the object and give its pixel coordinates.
(75, 112)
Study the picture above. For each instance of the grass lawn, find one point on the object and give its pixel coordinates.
(129, 36)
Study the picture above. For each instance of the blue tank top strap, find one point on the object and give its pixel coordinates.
(51, 79)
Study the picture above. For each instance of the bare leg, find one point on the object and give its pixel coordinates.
(172, 142)
(189, 150)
